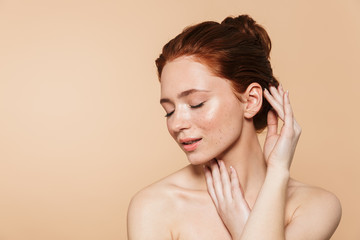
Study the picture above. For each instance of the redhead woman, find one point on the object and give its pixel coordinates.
(218, 92)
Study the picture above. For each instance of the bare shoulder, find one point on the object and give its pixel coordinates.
(152, 209)
(317, 211)
(308, 195)
(162, 193)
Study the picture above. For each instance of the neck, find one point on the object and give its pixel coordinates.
(247, 158)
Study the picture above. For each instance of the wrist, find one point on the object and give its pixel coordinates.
(280, 172)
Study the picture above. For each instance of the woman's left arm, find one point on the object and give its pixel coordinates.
(266, 219)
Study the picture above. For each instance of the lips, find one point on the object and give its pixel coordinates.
(190, 144)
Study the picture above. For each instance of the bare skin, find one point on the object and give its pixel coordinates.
(180, 203)
(255, 199)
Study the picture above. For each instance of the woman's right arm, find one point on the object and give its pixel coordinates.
(148, 217)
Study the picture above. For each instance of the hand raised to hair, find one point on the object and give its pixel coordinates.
(227, 195)
(279, 148)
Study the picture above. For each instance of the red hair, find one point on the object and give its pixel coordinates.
(236, 49)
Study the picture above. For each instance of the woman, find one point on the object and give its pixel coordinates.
(218, 91)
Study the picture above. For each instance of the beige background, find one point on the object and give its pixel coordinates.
(81, 129)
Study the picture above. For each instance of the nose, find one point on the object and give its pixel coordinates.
(179, 121)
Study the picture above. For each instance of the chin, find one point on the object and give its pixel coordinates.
(195, 159)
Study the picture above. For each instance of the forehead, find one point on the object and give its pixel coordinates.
(185, 73)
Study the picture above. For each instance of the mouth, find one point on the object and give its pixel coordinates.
(190, 144)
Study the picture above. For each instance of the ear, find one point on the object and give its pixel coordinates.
(253, 100)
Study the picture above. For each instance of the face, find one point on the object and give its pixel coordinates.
(203, 114)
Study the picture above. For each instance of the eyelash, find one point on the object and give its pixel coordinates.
(196, 106)
(169, 114)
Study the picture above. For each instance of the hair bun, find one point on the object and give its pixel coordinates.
(246, 25)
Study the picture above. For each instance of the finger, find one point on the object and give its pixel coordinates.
(225, 179)
(272, 124)
(235, 185)
(275, 92)
(297, 127)
(210, 185)
(278, 107)
(281, 89)
(288, 121)
(238, 192)
(217, 180)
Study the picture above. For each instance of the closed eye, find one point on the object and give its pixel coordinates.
(169, 114)
(197, 106)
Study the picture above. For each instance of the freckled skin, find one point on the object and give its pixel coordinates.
(225, 126)
(218, 122)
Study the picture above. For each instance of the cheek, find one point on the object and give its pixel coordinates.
(222, 124)
(209, 119)
(169, 129)
(218, 121)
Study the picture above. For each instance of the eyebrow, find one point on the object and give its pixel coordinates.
(183, 94)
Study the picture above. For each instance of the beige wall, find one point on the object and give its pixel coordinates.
(81, 129)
